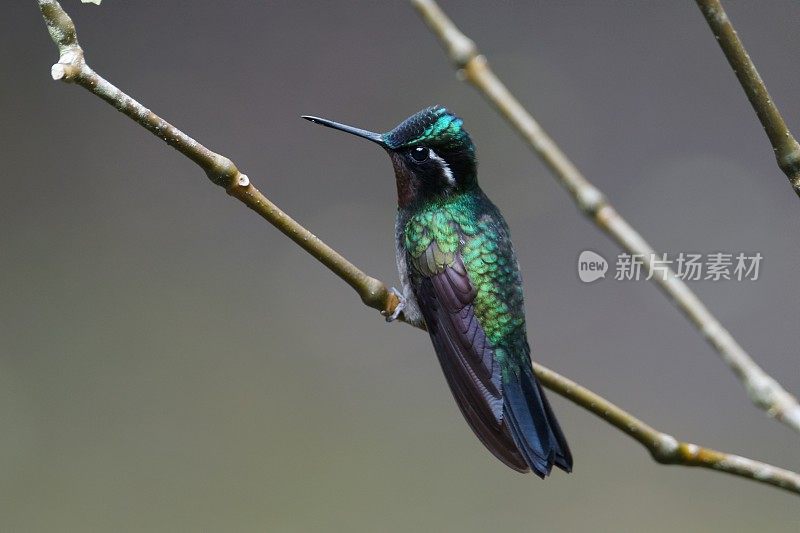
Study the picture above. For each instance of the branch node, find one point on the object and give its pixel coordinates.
(243, 180)
(789, 161)
(590, 199)
(66, 72)
(223, 172)
(375, 294)
(462, 50)
(665, 448)
(58, 71)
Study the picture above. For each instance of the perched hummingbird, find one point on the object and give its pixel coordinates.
(460, 279)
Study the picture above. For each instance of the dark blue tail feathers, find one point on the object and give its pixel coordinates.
(533, 426)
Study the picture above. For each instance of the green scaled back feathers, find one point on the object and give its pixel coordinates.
(460, 224)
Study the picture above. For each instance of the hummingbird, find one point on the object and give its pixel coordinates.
(460, 280)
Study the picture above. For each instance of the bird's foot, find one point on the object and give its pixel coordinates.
(401, 304)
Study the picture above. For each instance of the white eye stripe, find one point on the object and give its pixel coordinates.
(448, 174)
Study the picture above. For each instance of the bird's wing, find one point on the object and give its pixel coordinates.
(484, 353)
(446, 297)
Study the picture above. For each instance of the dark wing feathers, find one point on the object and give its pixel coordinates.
(510, 415)
(460, 343)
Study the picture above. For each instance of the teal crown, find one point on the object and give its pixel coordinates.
(432, 126)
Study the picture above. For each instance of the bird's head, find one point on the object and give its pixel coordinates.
(432, 154)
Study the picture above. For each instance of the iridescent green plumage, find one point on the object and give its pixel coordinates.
(461, 279)
(462, 224)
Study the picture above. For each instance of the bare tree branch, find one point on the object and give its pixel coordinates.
(664, 448)
(764, 391)
(785, 146)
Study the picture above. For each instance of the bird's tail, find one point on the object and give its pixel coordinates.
(533, 425)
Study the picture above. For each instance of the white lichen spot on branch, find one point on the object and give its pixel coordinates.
(58, 71)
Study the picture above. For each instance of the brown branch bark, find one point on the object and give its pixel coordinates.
(764, 391)
(785, 146)
(72, 68)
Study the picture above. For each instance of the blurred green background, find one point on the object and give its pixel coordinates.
(169, 362)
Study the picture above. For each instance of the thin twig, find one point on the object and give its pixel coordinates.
(785, 146)
(764, 391)
(665, 449)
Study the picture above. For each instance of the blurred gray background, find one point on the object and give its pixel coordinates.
(169, 362)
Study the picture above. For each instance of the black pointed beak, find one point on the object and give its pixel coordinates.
(369, 135)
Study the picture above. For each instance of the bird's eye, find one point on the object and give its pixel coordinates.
(420, 154)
